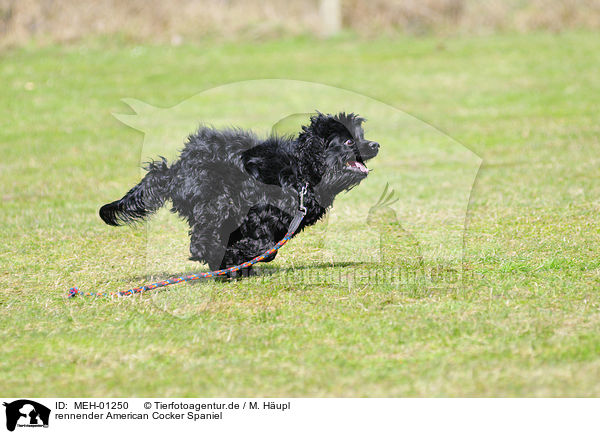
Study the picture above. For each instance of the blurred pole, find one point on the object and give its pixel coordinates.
(331, 16)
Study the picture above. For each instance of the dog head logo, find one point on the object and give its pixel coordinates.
(26, 413)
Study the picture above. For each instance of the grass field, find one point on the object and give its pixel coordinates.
(524, 321)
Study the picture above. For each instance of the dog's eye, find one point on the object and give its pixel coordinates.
(349, 142)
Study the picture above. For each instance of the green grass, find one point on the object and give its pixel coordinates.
(525, 320)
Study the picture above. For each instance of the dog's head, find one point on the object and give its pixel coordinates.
(338, 150)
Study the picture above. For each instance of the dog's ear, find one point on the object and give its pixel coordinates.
(310, 144)
(313, 137)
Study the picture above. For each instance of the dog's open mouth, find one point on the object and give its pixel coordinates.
(357, 166)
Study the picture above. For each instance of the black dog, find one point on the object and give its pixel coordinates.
(238, 193)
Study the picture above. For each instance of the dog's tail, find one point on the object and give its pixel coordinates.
(143, 199)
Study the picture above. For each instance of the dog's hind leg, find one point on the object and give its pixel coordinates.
(207, 246)
(244, 250)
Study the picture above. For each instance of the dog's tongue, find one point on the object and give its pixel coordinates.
(359, 166)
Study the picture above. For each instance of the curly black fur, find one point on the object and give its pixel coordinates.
(239, 193)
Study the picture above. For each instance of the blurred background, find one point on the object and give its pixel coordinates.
(177, 21)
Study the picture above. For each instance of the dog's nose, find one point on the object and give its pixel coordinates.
(374, 145)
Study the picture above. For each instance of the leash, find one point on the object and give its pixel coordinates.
(298, 217)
